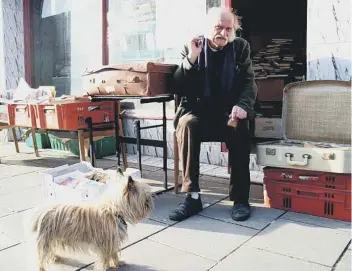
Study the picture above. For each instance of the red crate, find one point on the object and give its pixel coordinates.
(309, 177)
(21, 115)
(72, 116)
(313, 200)
(4, 114)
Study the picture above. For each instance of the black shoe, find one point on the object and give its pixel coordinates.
(190, 207)
(240, 212)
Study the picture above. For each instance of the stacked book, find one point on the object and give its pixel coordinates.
(278, 59)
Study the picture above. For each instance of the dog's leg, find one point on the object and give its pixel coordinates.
(58, 259)
(102, 264)
(45, 253)
(115, 261)
(45, 259)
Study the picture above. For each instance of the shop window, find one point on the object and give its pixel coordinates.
(67, 40)
(141, 30)
(137, 42)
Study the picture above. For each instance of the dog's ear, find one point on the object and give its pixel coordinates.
(130, 183)
(119, 171)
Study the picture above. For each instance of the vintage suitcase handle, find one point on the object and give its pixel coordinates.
(297, 163)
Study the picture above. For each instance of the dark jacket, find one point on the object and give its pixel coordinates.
(188, 83)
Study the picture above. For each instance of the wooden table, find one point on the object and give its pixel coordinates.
(13, 128)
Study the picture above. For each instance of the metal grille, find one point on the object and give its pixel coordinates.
(318, 111)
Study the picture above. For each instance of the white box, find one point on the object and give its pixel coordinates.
(268, 128)
(88, 191)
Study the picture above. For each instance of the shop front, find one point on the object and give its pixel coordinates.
(52, 43)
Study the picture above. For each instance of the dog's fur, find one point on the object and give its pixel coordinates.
(99, 228)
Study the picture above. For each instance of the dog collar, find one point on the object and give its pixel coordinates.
(122, 220)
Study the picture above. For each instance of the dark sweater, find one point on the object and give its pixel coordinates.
(189, 84)
(216, 99)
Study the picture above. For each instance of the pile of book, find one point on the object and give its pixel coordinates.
(278, 59)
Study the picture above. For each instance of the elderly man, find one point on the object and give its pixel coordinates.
(216, 83)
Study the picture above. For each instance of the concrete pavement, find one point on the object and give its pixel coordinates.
(270, 240)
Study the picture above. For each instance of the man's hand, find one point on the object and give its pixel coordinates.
(238, 113)
(195, 49)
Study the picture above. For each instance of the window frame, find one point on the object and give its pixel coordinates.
(28, 11)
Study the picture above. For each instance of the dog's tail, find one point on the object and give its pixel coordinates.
(35, 224)
(33, 219)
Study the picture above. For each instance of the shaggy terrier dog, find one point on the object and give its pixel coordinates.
(99, 228)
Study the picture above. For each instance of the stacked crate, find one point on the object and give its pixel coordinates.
(309, 171)
(71, 115)
(323, 194)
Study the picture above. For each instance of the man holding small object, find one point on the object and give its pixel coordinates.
(216, 83)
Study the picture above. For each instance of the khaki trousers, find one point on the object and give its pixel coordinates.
(192, 130)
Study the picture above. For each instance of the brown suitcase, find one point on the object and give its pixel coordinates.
(270, 89)
(137, 79)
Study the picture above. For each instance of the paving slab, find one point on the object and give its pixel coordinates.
(154, 161)
(132, 161)
(13, 225)
(6, 241)
(51, 152)
(14, 259)
(70, 262)
(143, 230)
(8, 149)
(261, 216)
(156, 185)
(302, 241)
(21, 159)
(256, 193)
(211, 192)
(319, 221)
(164, 204)
(252, 259)
(148, 255)
(7, 171)
(208, 238)
(103, 163)
(345, 264)
(56, 161)
(23, 199)
(20, 182)
(214, 189)
(4, 211)
(214, 179)
(218, 171)
(158, 175)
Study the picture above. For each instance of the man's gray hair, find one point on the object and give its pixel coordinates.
(212, 17)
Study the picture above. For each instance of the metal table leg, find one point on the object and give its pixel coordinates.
(164, 146)
(91, 143)
(117, 133)
(138, 140)
(137, 128)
